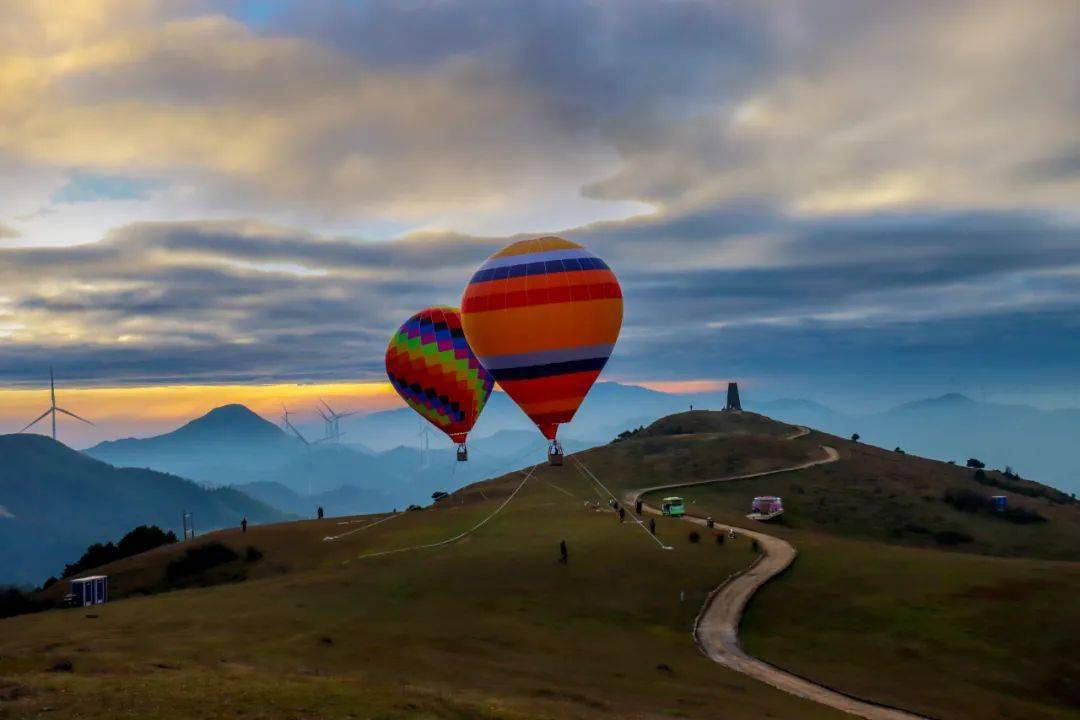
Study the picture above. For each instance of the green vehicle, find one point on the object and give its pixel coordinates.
(673, 506)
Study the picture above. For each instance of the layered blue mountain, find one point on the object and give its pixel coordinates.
(55, 501)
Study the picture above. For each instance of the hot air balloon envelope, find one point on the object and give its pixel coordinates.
(543, 316)
(431, 366)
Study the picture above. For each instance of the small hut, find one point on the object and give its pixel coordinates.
(86, 591)
(1001, 502)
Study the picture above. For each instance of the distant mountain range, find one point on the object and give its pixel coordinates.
(56, 501)
(609, 408)
(226, 446)
(234, 446)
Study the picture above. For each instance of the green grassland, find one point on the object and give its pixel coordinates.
(874, 605)
(494, 626)
(947, 634)
(876, 494)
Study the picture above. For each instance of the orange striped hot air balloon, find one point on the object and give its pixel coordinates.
(543, 316)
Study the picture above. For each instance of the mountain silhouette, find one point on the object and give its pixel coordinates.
(57, 501)
(228, 445)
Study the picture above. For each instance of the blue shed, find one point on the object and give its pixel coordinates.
(1001, 502)
(92, 590)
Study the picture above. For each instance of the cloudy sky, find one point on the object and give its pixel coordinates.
(857, 202)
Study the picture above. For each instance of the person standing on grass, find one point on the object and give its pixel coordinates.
(243, 525)
(320, 512)
(564, 556)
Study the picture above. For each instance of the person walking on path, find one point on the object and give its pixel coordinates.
(564, 556)
(622, 513)
(320, 512)
(243, 525)
(652, 525)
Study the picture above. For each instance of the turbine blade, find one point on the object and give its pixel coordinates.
(68, 412)
(297, 433)
(40, 417)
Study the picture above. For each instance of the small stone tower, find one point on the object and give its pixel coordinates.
(733, 403)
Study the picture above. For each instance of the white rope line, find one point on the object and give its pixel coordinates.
(362, 527)
(564, 492)
(459, 536)
(589, 474)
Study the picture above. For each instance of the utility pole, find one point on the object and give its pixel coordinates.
(52, 398)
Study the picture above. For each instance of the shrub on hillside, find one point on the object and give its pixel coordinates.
(139, 540)
(969, 501)
(1022, 515)
(975, 463)
(198, 560)
(14, 601)
(951, 537)
(627, 434)
(1015, 484)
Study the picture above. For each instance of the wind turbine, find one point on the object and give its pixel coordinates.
(307, 445)
(53, 409)
(334, 420)
(289, 425)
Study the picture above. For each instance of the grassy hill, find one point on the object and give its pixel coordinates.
(876, 494)
(57, 501)
(495, 626)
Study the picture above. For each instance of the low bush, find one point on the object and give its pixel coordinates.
(198, 560)
(694, 536)
(14, 601)
(973, 502)
(627, 434)
(951, 537)
(139, 540)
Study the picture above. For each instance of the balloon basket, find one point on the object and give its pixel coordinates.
(462, 453)
(555, 454)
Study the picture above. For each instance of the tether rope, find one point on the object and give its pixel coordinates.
(589, 474)
(329, 538)
(460, 535)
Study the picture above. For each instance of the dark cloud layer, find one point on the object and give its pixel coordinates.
(240, 302)
(835, 188)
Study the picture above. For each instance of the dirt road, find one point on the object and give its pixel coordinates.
(716, 630)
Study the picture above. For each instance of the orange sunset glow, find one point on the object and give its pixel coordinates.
(142, 411)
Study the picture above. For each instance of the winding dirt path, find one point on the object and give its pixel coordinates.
(716, 629)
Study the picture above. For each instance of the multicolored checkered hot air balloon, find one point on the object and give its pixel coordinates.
(431, 366)
(543, 316)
